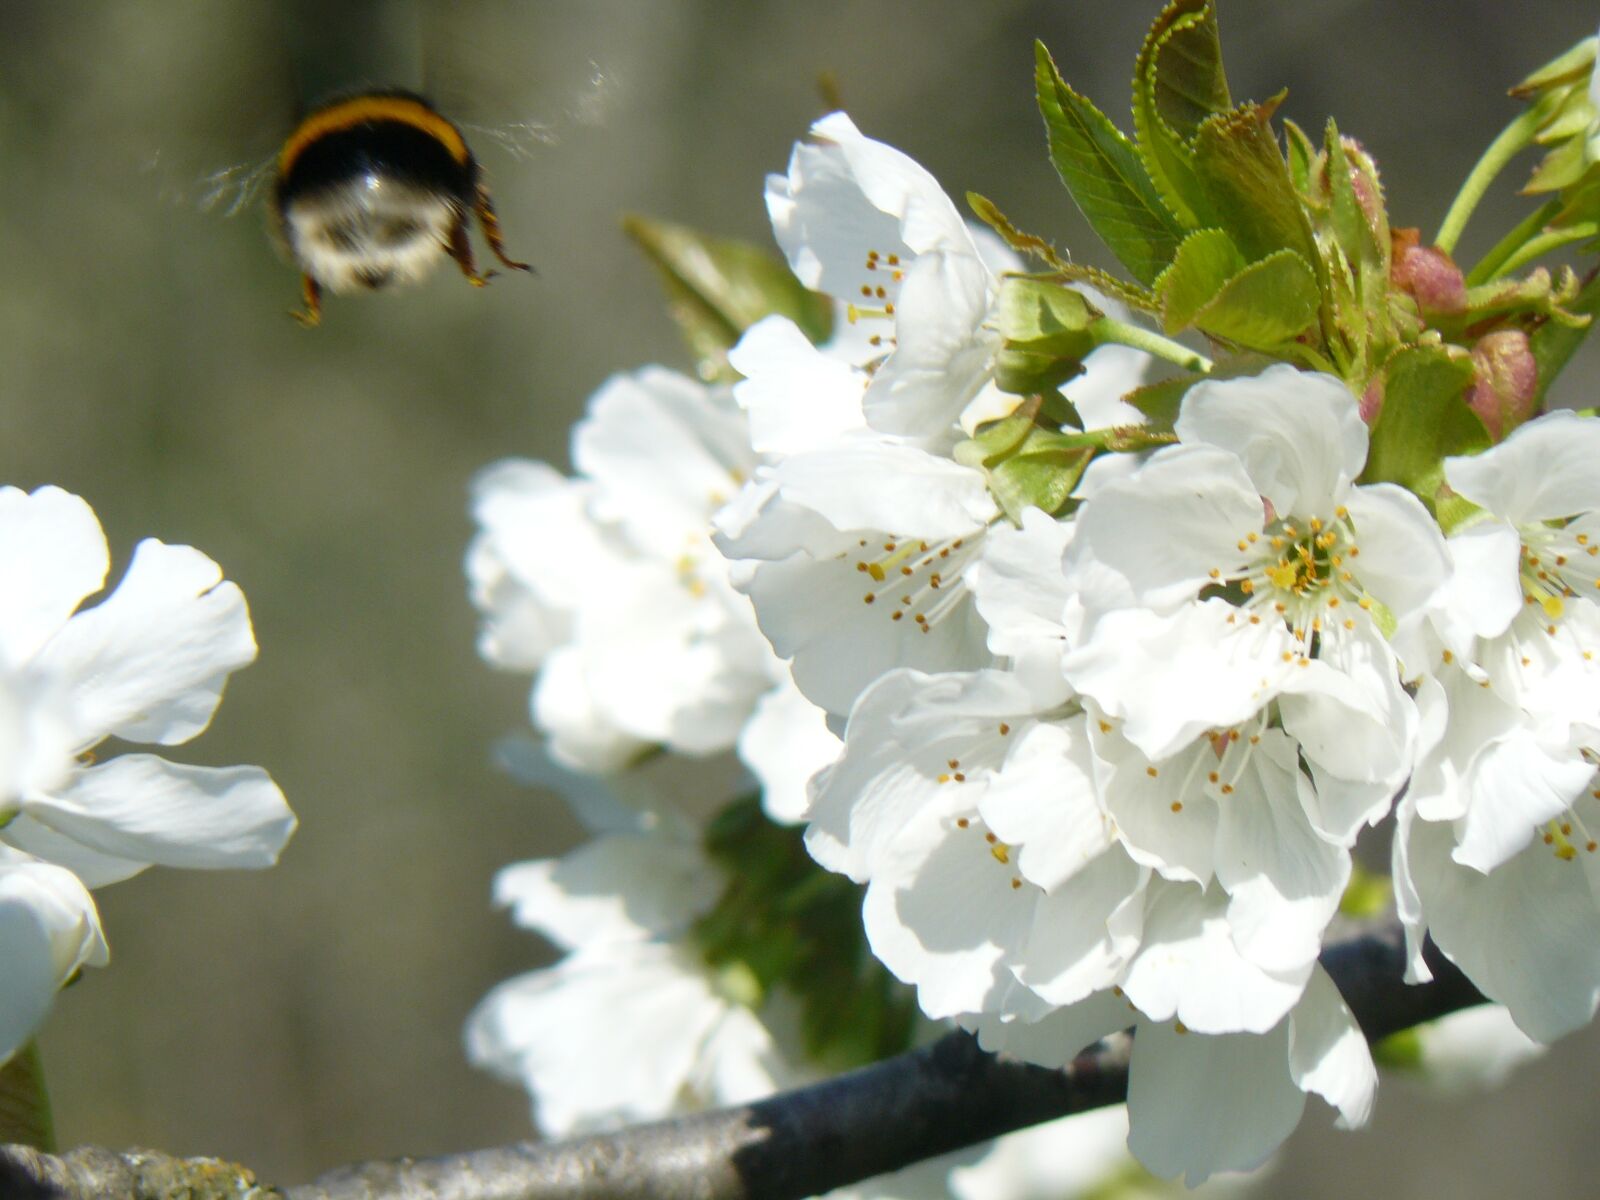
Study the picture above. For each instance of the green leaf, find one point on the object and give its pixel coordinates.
(1160, 401)
(1243, 171)
(1177, 83)
(783, 922)
(1041, 473)
(1205, 261)
(1424, 419)
(717, 288)
(1067, 271)
(1103, 172)
(1267, 304)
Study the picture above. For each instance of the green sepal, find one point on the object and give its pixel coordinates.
(718, 287)
(785, 923)
(1266, 305)
(1399, 1051)
(1424, 419)
(1367, 895)
(1160, 401)
(1105, 175)
(1178, 82)
(1066, 271)
(1570, 66)
(1041, 472)
(1554, 344)
(1205, 261)
(1364, 240)
(995, 439)
(1560, 168)
(1044, 331)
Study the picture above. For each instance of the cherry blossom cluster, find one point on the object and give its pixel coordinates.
(1099, 768)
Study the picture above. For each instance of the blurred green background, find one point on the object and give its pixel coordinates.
(311, 1015)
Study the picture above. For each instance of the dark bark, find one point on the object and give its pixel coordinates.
(880, 1118)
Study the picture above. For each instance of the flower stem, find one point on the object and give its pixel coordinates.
(1546, 242)
(1107, 329)
(1493, 264)
(1513, 138)
(25, 1116)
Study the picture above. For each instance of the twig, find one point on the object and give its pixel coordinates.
(796, 1144)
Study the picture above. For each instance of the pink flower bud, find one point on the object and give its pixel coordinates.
(1428, 273)
(1507, 382)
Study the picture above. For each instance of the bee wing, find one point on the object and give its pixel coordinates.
(230, 190)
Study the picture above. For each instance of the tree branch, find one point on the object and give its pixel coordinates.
(797, 1144)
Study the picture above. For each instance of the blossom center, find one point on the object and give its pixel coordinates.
(1300, 570)
(1558, 565)
(921, 581)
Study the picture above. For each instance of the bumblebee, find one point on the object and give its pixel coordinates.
(374, 188)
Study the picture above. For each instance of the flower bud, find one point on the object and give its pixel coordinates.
(1507, 383)
(1429, 274)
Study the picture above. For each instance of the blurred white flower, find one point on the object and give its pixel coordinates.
(146, 664)
(632, 1024)
(608, 583)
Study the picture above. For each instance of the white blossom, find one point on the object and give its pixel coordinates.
(146, 664)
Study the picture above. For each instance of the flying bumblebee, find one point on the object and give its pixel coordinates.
(375, 187)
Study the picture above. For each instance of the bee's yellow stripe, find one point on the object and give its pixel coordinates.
(371, 108)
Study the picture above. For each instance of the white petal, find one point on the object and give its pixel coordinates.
(1021, 593)
(664, 452)
(1284, 880)
(1484, 594)
(942, 913)
(1085, 931)
(52, 555)
(1190, 968)
(581, 736)
(865, 483)
(797, 397)
(95, 869)
(600, 1040)
(895, 183)
(1056, 1039)
(1199, 1104)
(1524, 933)
(48, 929)
(1043, 799)
(1518, 781)
(1166, 820)
(1543, 471)
(627, 887)
(784, 743)
(141, 807)
(942, 357)
(739, 1061)
(148, 662)
(1300, 436)
(1404, 562)
(901, 738)
(1473, 1050)
(1158, 536)
(816, 614)
(1328, 1054)
(1171, 678)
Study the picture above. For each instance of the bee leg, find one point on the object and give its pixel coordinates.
(491, 230)
(311, 315)
(461, 250)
